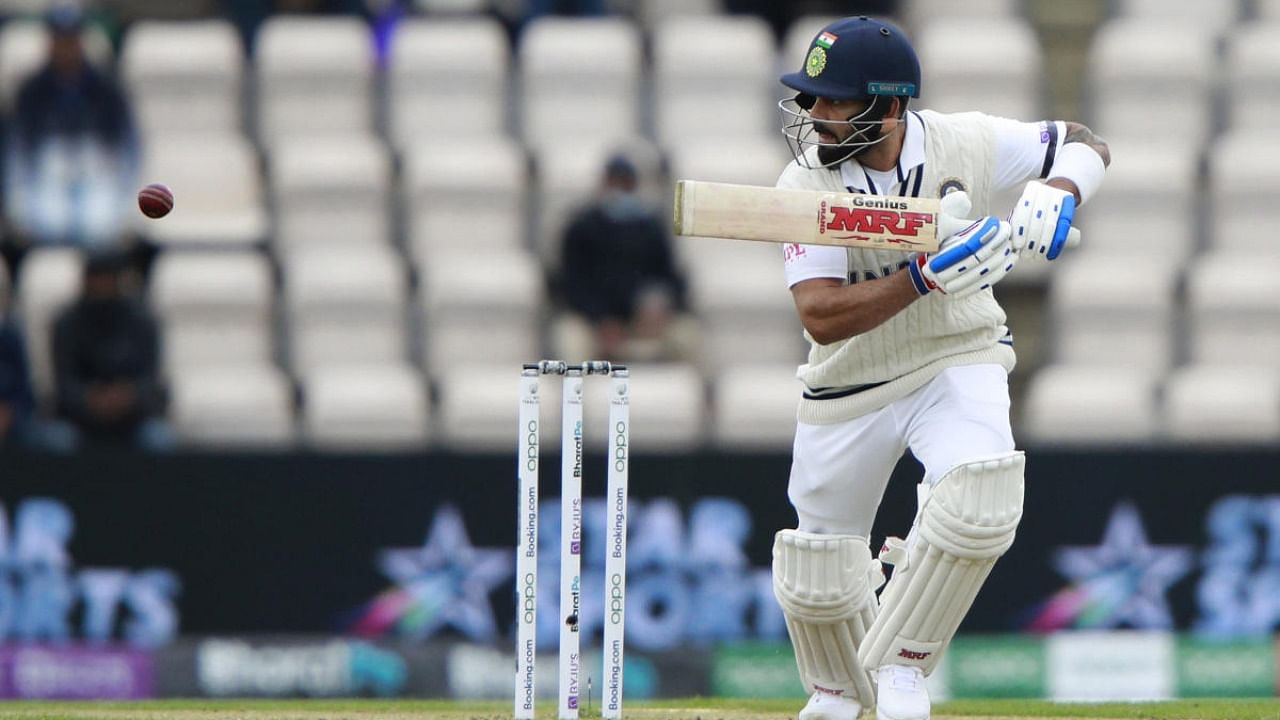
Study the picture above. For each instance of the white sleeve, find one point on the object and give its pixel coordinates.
(805, 262)
(1024, 150)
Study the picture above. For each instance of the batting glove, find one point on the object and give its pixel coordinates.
(1041, 220)
(971, 260)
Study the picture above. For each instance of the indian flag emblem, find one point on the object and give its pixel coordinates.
(816, 62)
(825, 40)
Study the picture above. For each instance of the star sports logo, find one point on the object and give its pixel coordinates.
(445, 583)
(1121, 582)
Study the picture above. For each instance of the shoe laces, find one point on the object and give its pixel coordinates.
(904, 677)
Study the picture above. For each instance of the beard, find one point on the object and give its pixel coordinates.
(862, 139)
(831, 156)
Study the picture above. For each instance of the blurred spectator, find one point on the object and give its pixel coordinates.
(106, 352)
(20, 425)
(71, 158)
(16, 397)
(625, 295)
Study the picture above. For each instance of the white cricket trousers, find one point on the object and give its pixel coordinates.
(839, 472)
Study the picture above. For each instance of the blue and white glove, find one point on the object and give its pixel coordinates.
(1041, 221)
(971, 259)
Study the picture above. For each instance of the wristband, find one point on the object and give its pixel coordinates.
(921, 283)
(1082, 165)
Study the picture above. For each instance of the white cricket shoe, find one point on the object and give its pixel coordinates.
(901, 694)
(826, 706)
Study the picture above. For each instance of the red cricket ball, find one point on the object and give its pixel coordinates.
(155, 200)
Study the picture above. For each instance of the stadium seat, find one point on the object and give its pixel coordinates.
(331, 193)
(1001, 74)
(1267, 9)
(1228, 403)
(1089, 405)
(232, 405)
(747, 313)
(478, 408)
(50, 279)
(1152, 192)
(215, 307)
(755, 406)
(315, 76)
(18, 8)
(747, 161)
(700, 96)
(741, 161)
(652, 12)
(184, 76)
(438, 8)
(471, 196)
(24, 48)
(1253, 76)
(1233, 307)
(1106, 312)
(345, 306)
(489, 301)
(1148, 75)
(580, 80)
(668, 407)
(1225, 13)
(1243, 186)
(376, 406)
(432, 96)
(795, 45)
(217, 183)
(920, 12)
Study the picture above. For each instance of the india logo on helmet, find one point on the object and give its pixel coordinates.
(816, 62)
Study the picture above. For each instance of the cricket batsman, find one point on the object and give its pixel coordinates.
(905, 354)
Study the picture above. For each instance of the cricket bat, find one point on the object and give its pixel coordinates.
(814, 217)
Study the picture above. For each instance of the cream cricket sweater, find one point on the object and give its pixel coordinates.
(933, 333)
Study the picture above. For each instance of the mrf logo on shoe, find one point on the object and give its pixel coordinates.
(912, 654)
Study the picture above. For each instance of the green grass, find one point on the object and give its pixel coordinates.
(1260, 709)
(686, 709)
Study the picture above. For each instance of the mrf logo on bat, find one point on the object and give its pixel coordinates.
(888, 219)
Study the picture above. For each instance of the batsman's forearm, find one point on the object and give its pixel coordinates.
(836, 312)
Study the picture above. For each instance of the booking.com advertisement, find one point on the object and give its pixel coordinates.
(293, 578)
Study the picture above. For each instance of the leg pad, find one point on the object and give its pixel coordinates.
(964, 524)
(824, 584)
